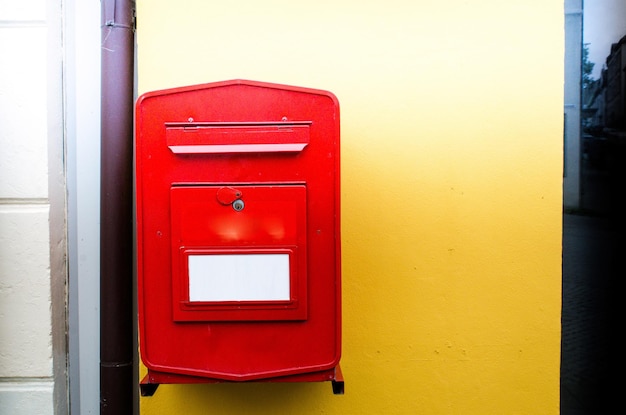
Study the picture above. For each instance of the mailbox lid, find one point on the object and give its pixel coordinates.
(236, 137)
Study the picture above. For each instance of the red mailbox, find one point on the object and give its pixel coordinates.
(238, 248)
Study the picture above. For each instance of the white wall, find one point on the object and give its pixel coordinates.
(573, 59)
(26, 300)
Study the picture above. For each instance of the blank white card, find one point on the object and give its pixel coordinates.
(245, 277)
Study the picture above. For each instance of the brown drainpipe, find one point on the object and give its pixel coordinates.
(116, 203)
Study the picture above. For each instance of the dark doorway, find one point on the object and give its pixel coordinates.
(593, 233)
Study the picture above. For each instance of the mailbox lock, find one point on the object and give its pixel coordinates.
(238, 205)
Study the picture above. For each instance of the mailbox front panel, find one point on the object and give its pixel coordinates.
(238, 247)
(245, 263)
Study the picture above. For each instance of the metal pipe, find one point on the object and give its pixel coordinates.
(116, 203)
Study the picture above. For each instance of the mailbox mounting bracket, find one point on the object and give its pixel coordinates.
(150, 383)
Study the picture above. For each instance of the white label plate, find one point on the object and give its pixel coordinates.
(233, 277)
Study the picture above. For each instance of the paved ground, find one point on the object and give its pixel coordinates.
(593, 258)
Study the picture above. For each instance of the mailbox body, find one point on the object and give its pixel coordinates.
(238, 233)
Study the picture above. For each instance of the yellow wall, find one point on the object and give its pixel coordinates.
(451, 190)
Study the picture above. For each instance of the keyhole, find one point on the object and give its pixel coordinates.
(238, 205)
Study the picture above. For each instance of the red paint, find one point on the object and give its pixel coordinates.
(238, 167)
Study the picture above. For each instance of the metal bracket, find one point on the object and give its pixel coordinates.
(337, 382)
(148, 389)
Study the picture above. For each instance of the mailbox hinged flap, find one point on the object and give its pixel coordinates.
(238, 137)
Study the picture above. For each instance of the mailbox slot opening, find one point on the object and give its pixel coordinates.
(239, 137)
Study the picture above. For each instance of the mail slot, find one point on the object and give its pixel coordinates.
(238, 234)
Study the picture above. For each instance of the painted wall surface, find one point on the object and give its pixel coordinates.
(452, 129)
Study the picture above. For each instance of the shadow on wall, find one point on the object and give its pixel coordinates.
(270, 398)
